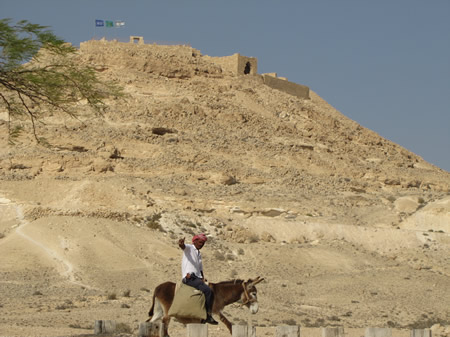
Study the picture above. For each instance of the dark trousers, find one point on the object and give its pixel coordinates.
(197, 283)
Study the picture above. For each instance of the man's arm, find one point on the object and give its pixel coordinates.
(181, 243)
(183, 246)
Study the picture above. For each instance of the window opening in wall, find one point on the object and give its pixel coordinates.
(247, 69)
(136, 40)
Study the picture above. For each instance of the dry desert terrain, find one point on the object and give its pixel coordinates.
(347, 228)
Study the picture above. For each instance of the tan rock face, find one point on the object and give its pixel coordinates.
(347, 228)
(435, 217)
(407, 204)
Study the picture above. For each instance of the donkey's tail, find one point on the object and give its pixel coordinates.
(150, 313)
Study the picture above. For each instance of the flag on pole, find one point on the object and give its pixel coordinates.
(109, 23)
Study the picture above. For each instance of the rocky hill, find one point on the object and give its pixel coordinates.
(347, 227)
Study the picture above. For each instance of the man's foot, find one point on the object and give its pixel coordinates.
(210, 320)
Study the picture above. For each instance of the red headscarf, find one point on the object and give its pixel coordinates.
(201, 237)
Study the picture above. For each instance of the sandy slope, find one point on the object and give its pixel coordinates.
(347, 228)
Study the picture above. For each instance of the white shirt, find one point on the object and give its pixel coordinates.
(191, 262)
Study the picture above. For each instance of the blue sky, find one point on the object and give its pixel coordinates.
(384, 63)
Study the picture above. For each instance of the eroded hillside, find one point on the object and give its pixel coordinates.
(348, 228)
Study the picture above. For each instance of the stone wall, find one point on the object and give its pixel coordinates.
(236, 64)
(291, 88)
(185, 61)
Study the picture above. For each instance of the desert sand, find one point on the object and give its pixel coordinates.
(347, 228)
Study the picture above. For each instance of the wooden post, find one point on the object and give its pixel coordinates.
(243, 331)
(420, 333)
(378, 332)
(149, 329)
(197, 330)
(104, 327)
(333, 332)
(97, 327)
(288, 331)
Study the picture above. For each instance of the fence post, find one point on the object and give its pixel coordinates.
(149, 329)
(251, 331)
(420, 333)
(243, 331)
(378, 332)
(197, 330)
(288, 331)
(333, 332)
(104, 326)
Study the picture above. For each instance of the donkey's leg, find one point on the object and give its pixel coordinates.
(166, 321)
(225, 321)
(158, 312)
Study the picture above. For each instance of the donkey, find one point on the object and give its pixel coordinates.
(227, 292)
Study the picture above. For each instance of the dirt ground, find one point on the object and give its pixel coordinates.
(347, 228)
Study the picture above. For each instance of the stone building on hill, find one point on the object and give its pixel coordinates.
(152, 58)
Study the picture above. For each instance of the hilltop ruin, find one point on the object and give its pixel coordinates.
(348, 228)
(234, 65)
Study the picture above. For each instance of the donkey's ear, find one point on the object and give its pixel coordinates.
(255, 281)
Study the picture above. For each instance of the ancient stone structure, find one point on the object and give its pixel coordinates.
(284, 85)
(148, 57)
(237, 64)
(137, 39)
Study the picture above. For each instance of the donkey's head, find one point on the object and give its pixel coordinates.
(249, 295)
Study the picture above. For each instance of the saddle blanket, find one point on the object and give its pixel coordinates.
(188, 303)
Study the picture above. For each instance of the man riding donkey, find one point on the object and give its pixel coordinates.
(192, 272)
(186, 303)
